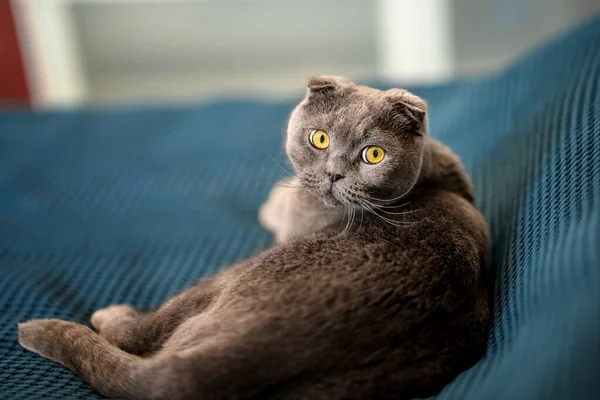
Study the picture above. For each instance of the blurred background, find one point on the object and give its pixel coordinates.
(65, 53)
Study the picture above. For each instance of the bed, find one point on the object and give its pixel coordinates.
(131, 205)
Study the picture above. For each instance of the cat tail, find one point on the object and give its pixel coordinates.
(108, 369)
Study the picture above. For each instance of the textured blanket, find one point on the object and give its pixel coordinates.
(132, 205)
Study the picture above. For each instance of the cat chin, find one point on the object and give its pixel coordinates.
(328, 197)
(330, 200)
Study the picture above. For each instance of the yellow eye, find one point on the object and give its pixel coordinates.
(319, 139)
(372, 154)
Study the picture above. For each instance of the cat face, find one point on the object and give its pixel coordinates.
(351, 145)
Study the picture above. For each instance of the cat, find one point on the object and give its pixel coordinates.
(377, 288)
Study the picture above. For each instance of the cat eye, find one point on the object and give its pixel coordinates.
(372, 154)
(319, 139)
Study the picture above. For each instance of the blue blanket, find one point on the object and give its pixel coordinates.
(131, 205)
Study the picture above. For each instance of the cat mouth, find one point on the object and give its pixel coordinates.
(326, 194)
(329, 197)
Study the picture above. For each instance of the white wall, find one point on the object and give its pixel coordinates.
(489, 34)
(193, 47)
(148, 50)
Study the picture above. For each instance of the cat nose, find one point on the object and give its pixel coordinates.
(334, 177)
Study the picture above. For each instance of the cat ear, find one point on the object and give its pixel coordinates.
(409, 105)
(328, 84)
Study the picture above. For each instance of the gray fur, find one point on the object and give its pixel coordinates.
(385, 299)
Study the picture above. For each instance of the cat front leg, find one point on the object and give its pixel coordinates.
(274, 213)
(291, 211)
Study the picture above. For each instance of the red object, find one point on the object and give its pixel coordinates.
(13, 81)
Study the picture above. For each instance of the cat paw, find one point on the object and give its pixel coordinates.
(40, 335)
(111, 315)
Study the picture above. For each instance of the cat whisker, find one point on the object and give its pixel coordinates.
(362, 212)
(351, 213)
(386, 219)
(348, 222)
(341, 222)
(350, 218)
(270, 184)
(366, 198)
(396, 206)
(288, 185)
(352, 222)
(400, 213)
(399, 197)
(281, 166)
(378, 208)
(361, 196)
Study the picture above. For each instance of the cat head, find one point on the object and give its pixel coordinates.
(351, 144)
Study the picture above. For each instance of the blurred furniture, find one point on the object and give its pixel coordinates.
(99, 207)
(103, 51)
(14, 89)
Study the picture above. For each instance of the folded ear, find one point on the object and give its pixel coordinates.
(409, 105)
(328, 84)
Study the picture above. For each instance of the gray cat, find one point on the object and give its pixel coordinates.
(376, 290)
